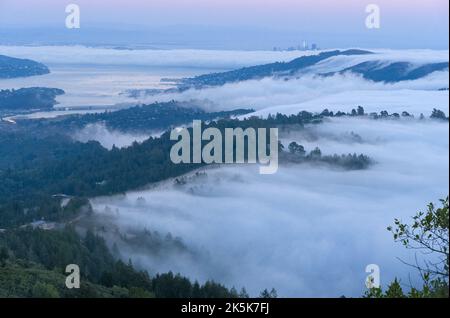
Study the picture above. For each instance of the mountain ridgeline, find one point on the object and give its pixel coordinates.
(393, 72)
(261, 71)
(374, 68)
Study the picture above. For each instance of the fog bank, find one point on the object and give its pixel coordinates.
(306, 230)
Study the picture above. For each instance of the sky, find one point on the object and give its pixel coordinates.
(258, 24)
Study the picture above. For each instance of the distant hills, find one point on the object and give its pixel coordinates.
(29, 98)
(11, 67)
(374, 70)
(261, 71)
(393, 72)
(369, 65)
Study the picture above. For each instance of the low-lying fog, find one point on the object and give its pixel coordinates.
(107, 137)
(99, 76)
(313, 93)
(306, 230)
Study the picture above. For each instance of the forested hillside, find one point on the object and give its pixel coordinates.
(33, 262)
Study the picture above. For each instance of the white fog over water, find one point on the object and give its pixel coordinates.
(99, 77)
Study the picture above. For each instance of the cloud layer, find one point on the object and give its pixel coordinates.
(313, 93)
(98, 76)
(307, 231)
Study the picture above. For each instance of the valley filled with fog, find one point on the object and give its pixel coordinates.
(308, 230)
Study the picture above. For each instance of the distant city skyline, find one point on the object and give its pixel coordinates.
(248, 24)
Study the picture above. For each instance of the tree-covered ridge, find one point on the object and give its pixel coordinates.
(29, 98)
(11, 67)
(385, 71)
(394, 72)
(76, 169)
(35, 170)
(260, 71)
(145, 118)
(297, 154)
(33, 262)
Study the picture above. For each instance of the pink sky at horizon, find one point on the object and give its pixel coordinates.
(26, 11)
